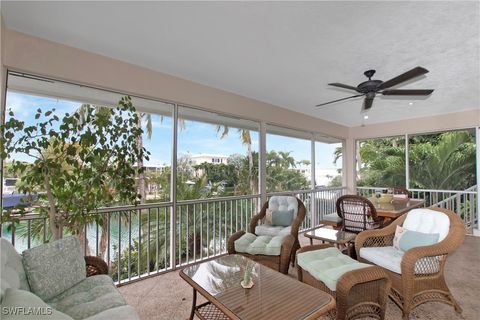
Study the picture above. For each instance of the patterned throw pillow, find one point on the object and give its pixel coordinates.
(399, 232)
(54, 267)
(268, 217)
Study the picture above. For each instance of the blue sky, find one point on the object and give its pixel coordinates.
(196, 137)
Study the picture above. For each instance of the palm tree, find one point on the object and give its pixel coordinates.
(383, 162)
(446, 164)
(246, 139)
(442, 161)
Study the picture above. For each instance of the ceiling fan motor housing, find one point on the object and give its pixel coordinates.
(369, 86)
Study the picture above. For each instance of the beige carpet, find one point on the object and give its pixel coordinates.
(167, 296)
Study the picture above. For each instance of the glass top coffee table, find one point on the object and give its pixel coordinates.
(273, 295)
(342, 239)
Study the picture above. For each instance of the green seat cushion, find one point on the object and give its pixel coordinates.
(24, 305)
(333, 217)
(89, 297)
(264, 245)
(54, 267)
(328, 265)
(242, 243)
(411, 239)
(282, 218)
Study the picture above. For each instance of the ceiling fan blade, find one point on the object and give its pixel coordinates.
(367, 103)
(415, 72)
(323, 104)
(407, 92)
(344, 86)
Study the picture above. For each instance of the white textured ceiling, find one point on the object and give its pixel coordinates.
(283, 53)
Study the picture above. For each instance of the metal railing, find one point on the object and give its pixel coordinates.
(203, 226)
(135, 241)
(462, 202)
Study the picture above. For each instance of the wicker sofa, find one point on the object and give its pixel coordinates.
(417, 275)
(41, 286)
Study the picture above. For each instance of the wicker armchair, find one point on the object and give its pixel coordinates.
(289, 246)
(360, 293)
(357, 213)
(421, 278)
(95, 265)
(295, 226)
(402, 190)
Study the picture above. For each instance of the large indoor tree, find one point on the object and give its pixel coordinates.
(78, 168)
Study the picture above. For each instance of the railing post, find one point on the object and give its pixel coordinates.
(262, 165)
(407, 164)
(3, 98)
(173, 189)
(313, 200)
(476, 229)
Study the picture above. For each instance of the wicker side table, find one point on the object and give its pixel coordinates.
(359, 293)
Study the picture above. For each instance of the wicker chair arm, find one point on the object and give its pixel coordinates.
(286, 253)
(365, 238)
(314, 247)
(287, 244)
(95, 265)
(295, 226)
(254, 221)
(451, 242)
(414, 255)
(231, 241)
(259, 216)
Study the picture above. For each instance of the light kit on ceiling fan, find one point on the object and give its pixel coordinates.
(370, 88)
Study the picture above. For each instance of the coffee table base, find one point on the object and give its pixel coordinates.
(208, 311)
(205, 311)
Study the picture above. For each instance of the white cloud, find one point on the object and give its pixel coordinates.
(18, 104)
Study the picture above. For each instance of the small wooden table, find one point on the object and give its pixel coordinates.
(273, 296)
(396, 208)
(338, 237)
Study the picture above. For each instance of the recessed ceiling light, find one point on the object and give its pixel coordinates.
(410, 103)
(365, 117)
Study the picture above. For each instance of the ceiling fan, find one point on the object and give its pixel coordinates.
(371, 88)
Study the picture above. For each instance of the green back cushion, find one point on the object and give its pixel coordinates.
(54, 267)
(411, 239)
(282, 218)
(12, 274)
(24, 305)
